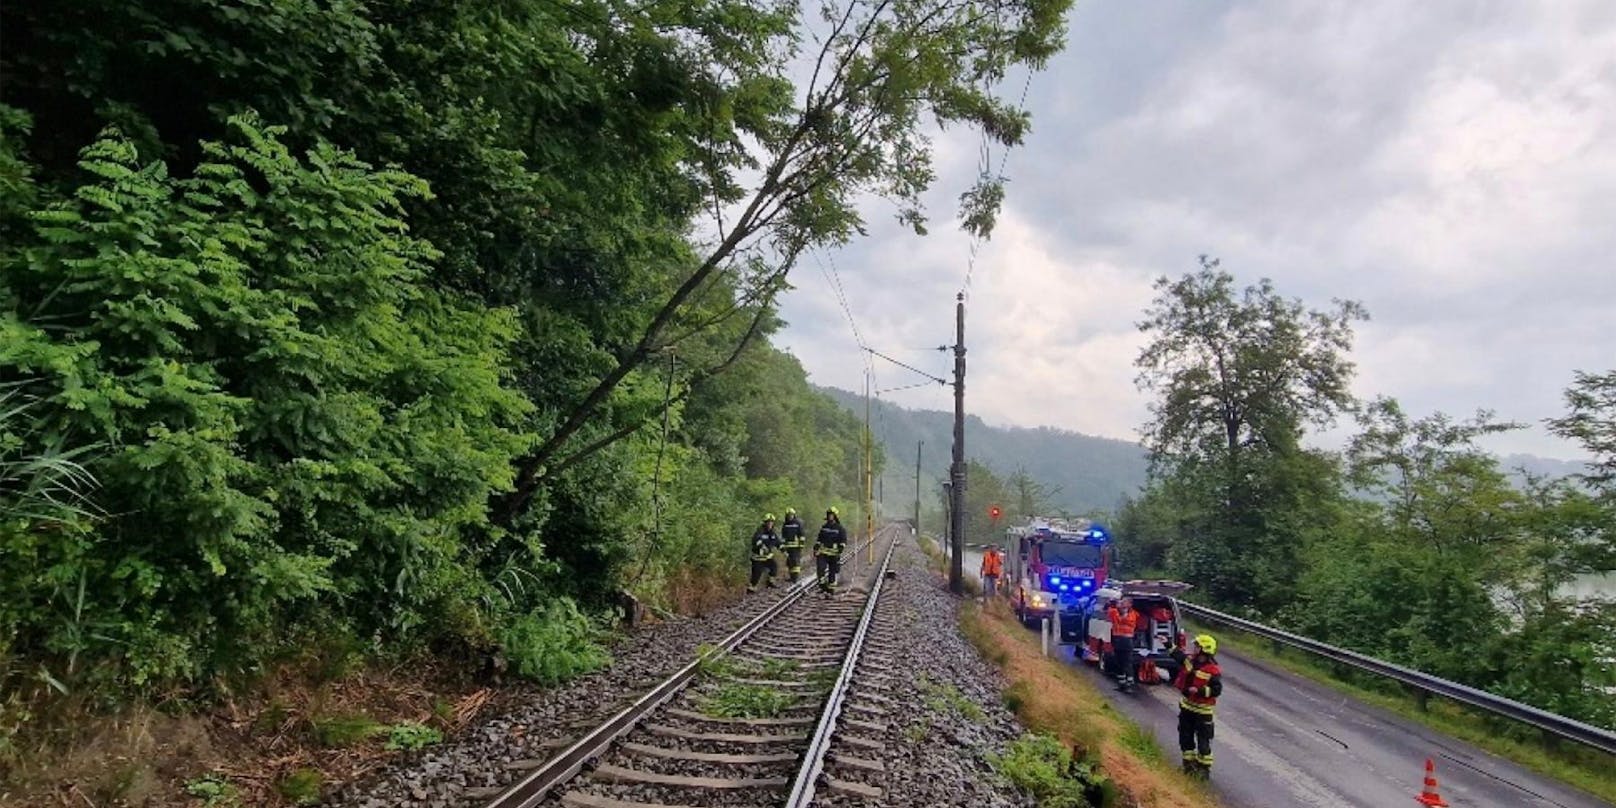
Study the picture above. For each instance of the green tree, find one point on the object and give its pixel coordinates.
(1028, 497)
(1441, 490)
(1239, 371)
(297, 426)
(1238, 376)
(1591, 422)
(877, 76)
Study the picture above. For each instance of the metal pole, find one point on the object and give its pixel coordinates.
(869, 471)
(956, 472)
(919, 445)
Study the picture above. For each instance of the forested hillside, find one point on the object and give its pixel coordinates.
(408, 326)
(1082, 473)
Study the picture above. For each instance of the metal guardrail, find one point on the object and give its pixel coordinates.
(1558, 725)
(813, 761)
(531, 790)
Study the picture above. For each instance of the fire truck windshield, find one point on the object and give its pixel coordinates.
(1070, 554)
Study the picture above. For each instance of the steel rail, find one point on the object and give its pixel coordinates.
(1557, 725)
(813, 762)
(532, 789)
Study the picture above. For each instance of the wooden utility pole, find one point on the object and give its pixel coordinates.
(956, 472)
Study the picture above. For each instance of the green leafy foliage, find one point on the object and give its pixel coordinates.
(553, 644)
(389, 322)
(737, 700)
(212, 790)
(1412, 546)
(294, 416)
(1046, 770)
(410, 736)
(717, 665)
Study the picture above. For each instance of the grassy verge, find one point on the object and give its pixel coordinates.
(1053, 699)
(1586, 769)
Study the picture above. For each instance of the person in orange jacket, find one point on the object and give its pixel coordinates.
(1200, 681)
(1124, 622)
(992, 569)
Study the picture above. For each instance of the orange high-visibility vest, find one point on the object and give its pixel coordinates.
(1123, 625)
(992, 563)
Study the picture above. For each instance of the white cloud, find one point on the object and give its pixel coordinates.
(1450, 164)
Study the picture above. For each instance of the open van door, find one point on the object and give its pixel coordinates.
(1159, 629)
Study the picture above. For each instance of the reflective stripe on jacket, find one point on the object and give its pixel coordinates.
(763, 544)
(832, 540)
(1200, 684)
(791, 534)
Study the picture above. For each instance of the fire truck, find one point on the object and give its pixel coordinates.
(1058, 567)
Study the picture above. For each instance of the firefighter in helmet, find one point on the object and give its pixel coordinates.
(828, 547)
(764, 542)
(791, 540)
(1199, 681)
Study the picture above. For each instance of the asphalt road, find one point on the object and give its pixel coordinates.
(1286, 741)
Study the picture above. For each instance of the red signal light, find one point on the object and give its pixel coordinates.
(994, 512)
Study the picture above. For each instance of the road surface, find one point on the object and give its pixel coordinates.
(1286, 741)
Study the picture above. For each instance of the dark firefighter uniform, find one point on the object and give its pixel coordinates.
(828, 548)
(1200, 681)
(792, 541)
(764, 542)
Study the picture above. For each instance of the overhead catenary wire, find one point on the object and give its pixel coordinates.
(906, 366)
(984, 164)
(833, 279)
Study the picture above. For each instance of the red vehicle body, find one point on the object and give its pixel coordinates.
(1158, 630)
(1058, 567)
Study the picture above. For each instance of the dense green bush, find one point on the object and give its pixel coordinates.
(552, 644)
(310, 288)
(291, 418)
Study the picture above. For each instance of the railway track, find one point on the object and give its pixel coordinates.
(787, 708)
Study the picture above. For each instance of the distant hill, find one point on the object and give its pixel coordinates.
(1540, 466)
(1092, 472)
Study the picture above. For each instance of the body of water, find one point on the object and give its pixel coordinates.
(1600, 584)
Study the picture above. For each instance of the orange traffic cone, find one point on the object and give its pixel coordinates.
(1429, 796)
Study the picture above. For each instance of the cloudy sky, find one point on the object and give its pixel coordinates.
(1452, 165)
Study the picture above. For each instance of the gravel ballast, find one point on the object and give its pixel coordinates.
(489, 756)
(935, 752)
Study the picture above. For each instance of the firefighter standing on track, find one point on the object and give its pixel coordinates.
(1200, 681)
(828, 547)
(992, 568)
(764, 543)
(791, 540)
(1124, 622)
